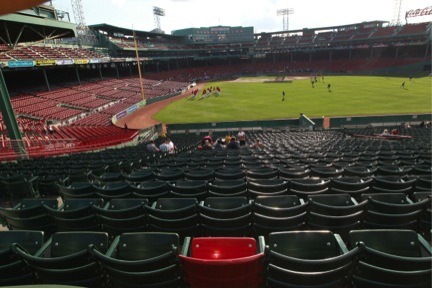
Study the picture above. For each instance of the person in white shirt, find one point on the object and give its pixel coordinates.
(241, 137)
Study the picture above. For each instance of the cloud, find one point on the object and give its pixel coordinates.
(118, 3)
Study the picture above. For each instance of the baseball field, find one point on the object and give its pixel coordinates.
(258, 98)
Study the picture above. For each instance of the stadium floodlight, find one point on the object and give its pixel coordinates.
(285, 13)
(157, 13)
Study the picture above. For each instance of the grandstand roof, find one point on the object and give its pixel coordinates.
(111, 29)
(338, 27)
(19, 27)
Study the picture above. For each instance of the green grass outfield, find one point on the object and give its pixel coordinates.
(251, 99)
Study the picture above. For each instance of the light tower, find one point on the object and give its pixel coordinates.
(285, 14)
(85, 36)
(157, 13)
(397, 7)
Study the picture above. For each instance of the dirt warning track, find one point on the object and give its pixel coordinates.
(143, 117)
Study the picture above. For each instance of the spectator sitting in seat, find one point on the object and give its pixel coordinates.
(233, 144)
(207, 145)
(151, 147)
(165, 146)
(218, 144)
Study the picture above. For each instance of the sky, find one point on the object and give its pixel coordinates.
(261, 14)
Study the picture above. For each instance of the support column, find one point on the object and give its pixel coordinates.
(10, 119)
(100, 71)
(77, 75)
(46, 79)
(117, 71)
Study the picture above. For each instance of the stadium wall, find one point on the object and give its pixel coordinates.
(300, 123)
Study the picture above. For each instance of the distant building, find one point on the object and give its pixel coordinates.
(216, 34)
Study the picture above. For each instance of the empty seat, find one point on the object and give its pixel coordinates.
(76, 190)
(30, 214)
(326, 172)
(354, 186)
(293, 172)
(264, 173)
(105, 177)
(267, 187)
(222, 262)
(17, 187)
(392, 211)
(122, 216)
(393, 170)
(177, 215)
(13, 270)
(424, 183)
(66, 259)
(139, 176)
(308, 259)
(47, 184)
(337, 213)
(189, 189)
(227, 188)
(76, 215)
(225, 216)
(229, 174)
(112, 190)
(142, 260)
(425, 226)
(150, 190)
(200, 174)
(360, 171)
(278, 213)
(394, 184)
(169, 174)
(305, 187)
(391, 258)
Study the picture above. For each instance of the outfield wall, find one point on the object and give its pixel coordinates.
(300, 123)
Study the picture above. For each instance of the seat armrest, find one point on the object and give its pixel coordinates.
(261, 244)
(341, 244)
(113, 247)
(186, 246)
(425, 246)
(43, 248)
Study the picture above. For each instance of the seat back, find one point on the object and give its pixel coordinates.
(304, 244)
(30, 203)
(222, 248)
(396, 242)
(222, 262)
(66, 243)
(123, 204)
(74, 204)
(333, 199)
(139, 246)
(28, 239)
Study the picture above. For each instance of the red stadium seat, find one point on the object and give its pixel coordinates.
(222, 261)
